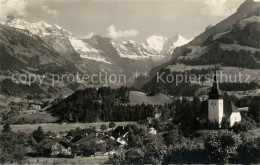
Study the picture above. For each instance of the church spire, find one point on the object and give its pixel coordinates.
(215, 92)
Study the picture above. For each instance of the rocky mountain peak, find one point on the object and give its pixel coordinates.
(247, 5)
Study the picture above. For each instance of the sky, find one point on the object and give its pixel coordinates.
(124, 19)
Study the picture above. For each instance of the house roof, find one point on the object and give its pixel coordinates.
(65, 144)
(49, 144)
(215, 92)
(77, 138)
(120, 131)
(92, 137)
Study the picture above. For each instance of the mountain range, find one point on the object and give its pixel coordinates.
(41, 48)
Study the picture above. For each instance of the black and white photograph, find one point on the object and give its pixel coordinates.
(129, 82)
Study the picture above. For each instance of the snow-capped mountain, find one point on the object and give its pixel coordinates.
(155, 48)
(41, 28)
(156, 42)
(165, 45)
(53, 49)
(135, 51)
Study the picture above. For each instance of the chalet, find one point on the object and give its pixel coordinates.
(58, 147)
(64, 122)
(152, 131)
(82, 143)
(91, 138)
(99, 101)
(120, 134)
(35, 106)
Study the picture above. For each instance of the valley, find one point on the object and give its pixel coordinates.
(107, 98)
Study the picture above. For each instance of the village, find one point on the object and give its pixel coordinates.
(57, 139)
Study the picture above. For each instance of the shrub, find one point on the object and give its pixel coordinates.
(242, 126)
(221, 146)
(186, 152)
(112, 125)
(103, 127)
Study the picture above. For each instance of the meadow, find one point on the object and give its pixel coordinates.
(57, 127)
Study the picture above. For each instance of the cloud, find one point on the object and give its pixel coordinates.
(8, 7)
(114, 33)
(51, 12)
(216, 8)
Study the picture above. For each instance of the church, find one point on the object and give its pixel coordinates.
(219, 110)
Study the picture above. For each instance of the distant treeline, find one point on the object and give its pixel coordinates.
(215, 55)
(238, 86)
(183, 88)
(248, 36)
(8, 87)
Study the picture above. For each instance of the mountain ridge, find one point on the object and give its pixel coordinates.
(247, 9)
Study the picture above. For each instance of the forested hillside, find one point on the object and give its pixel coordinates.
(103, 104)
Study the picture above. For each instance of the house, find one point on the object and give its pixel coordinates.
(85, 143)
(76, 138)
(64, 122)
(152, 131)
(57, 147)
(203, 97)
(217, 109)
(35, 106)
(91, 138)
(99, 101)
(120, 134)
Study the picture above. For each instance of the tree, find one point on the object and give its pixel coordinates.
(6, 128)
(186, 152)
(248, 151)
(103, 127)
(12, 146)
(112, 125)
(134, 156)
(221, 146)
(173, 137)
(38, 134)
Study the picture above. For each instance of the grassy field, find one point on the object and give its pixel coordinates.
(57, 128)
(76, 160)
(140, 97)
(29, 118)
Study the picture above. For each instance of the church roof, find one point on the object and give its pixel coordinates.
(215, 92)
(229, 108)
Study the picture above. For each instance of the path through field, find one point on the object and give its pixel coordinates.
(77, 160)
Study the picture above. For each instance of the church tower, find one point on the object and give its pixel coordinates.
(215, 103)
